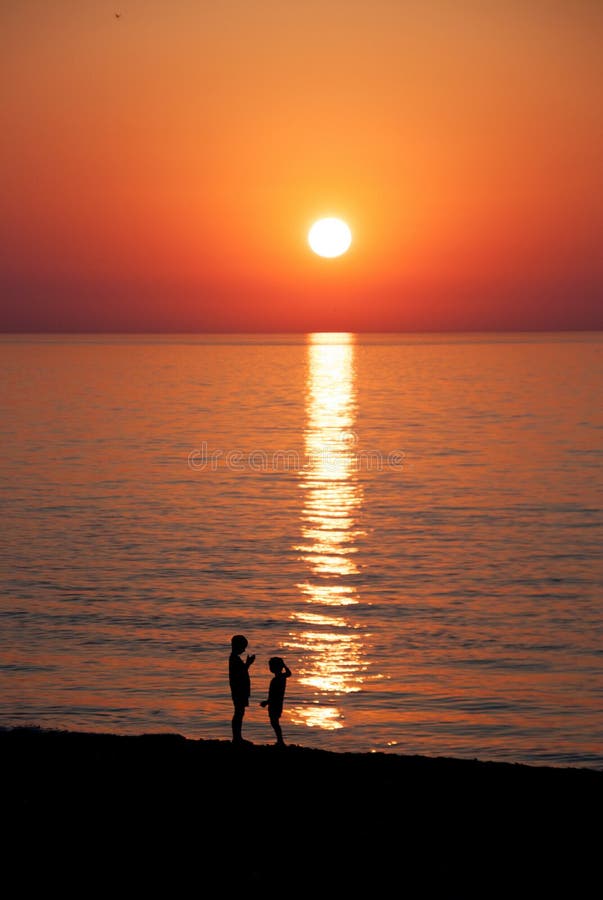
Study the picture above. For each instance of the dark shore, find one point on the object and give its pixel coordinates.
(301, 816)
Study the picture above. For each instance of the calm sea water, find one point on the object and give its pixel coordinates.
(413, 522)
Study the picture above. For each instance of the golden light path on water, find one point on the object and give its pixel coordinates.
(330, 646)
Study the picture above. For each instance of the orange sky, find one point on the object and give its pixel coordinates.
(159, 171)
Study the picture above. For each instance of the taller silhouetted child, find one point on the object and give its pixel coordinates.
(240, 684)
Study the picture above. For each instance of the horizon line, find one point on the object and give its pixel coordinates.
(307, 332)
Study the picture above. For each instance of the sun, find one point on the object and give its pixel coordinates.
(330, 237)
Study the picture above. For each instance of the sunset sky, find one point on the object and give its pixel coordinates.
(159, 171)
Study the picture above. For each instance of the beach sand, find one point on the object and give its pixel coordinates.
(164, 810)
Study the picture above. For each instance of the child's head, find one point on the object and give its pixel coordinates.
(276, 664)
(238, 643)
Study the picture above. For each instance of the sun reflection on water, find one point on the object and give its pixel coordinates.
(331, 647)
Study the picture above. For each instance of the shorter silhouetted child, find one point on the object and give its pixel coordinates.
(276, 695)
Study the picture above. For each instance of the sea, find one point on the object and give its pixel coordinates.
(413, 522)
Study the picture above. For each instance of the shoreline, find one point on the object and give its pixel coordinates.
(307, 817)
(35, 737)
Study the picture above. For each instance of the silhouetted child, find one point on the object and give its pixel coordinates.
(240, 684)
(276, 695)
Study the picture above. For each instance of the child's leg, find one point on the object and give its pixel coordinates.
(274, 721)
(237, 721)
